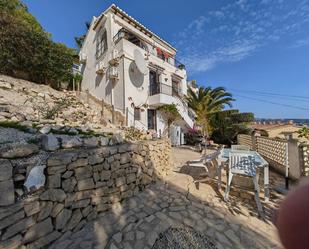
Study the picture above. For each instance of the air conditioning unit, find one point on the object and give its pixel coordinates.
(100, 69)
(113, 73)
(114, 57)
(82, 57)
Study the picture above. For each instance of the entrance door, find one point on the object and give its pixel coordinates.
(153, 83)
(152, 119)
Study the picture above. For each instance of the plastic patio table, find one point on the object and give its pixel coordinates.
(260, 162)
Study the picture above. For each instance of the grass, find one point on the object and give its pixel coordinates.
(14, 124)
(33, 141)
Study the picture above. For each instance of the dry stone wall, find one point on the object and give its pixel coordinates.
(79, 182)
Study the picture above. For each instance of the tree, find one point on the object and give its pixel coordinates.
(303, 133)
(79, 40)
(228, 124)
(207, 102)
(27, 51)
(170, 114)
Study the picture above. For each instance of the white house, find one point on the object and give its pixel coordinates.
(134, 70)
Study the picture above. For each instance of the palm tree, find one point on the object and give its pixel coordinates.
(207, 102)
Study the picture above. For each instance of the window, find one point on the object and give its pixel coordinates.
(101, 43)
(137, 113)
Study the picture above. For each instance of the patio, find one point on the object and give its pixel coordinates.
(145, 220)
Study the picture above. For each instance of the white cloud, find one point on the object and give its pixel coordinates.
(301, 43)
(237, 30)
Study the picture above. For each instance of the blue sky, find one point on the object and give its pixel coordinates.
(257, 49)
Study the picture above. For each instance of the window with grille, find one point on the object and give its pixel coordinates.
(137, 113)
(101, 43)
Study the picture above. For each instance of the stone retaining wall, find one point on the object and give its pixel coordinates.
(80, 183)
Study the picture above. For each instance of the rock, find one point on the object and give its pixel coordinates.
(7, 194)
(62, 218)
(81, 204)
(120, 181)
(18, 227)
(85, 184)
(73, 131)
(104, 141)
(12, 243)
(50, 143)
(95, 159)
(32, 208)
(124, 158)
(60, 158)
(38, 230)
(78, 163)
(44, 241)
(36, 178)
(75, 219)
(21, 150)
(105, 175)
(71, 142)
(5, 170)
(67, 174)
(116, 139)
(5, 85)
(9, 210)
(12, 219)
(83, 172)
(68, 185)
(57, 195)
(131, 178)
(56, 209)
(91, 142)
(46, 208)
(54, 181)
(45, 129)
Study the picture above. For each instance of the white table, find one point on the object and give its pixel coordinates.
(260, 163)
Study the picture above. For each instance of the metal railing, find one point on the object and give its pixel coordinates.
(123, 33)
(165, 89)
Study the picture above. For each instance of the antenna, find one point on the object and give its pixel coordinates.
(140, 62)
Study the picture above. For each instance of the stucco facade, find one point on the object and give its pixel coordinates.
(110, 72)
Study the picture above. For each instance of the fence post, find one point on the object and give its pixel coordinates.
(254, 142)
(113, 114)
(287, 166)
(102, 108)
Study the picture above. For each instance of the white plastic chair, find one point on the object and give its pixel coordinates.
(240, 147)
(243, 163)
(206, 161)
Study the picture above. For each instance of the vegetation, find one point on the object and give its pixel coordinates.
(13, 124)
(207, 102)
(79, 40)
(27, 51)
(170, 114)
(304, 133)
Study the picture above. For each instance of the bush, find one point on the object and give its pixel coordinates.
(193, 137)
(27, 51)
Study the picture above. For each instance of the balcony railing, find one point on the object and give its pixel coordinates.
(164, 89)
(123, 33)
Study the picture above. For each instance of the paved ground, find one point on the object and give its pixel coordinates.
(176, 202)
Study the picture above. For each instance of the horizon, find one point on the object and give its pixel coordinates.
(222, 44)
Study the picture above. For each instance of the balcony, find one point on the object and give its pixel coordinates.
(164, 56)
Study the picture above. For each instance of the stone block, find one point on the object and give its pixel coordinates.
(75, 219)
(22, 150)
(131, 178)
(68, 185)
(57, 195)
(50, 143)
(106, 175)
(87, 210)
(91, 142)
(18, 227)
(104, 141)
(44, 241)
(54, 181)
(67, 174)
(80, 203)
(81, 162)
(32, 208)
(69, 142)
(62, 218)
(7, 194)
(5, 170)
(120, 181)
(95, 159)
(38, 230)
(12, 219)
(12, 243)
(85, 184)
(56, 169)
(57, 208)
(124, 158)
(46, 208)
(9, 210)
(83, 172)
(61, 158)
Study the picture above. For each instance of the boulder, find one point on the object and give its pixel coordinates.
(17, 151)
(36, 178)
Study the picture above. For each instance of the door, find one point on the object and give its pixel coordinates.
(152, 119)
(153, 83)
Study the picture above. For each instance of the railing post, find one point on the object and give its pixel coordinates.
(113, 114)
(287, 166)
(127, 116)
